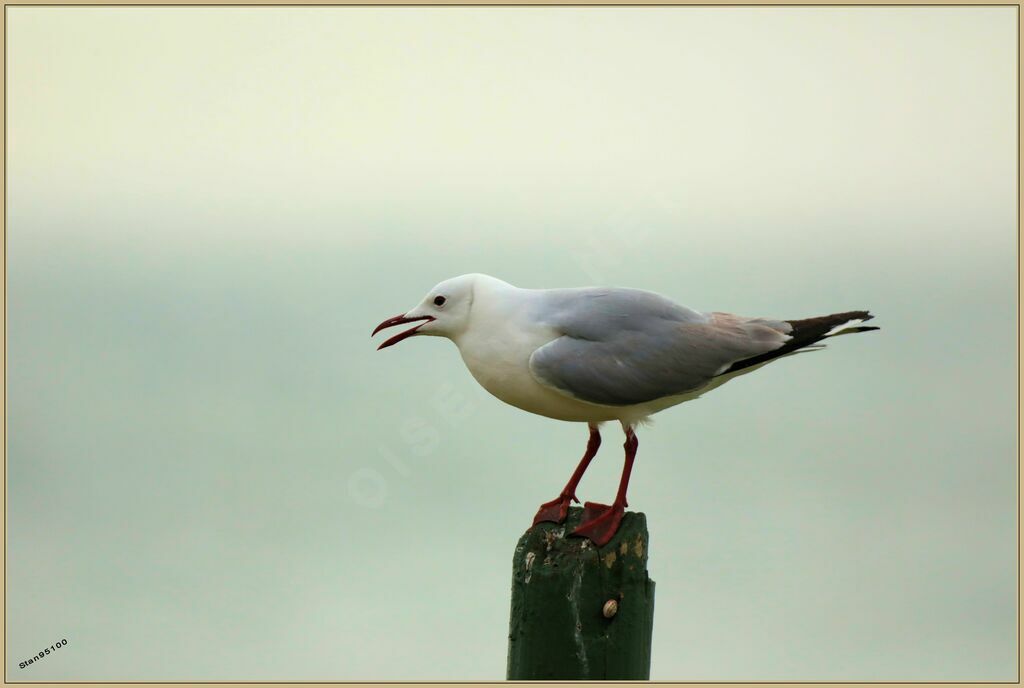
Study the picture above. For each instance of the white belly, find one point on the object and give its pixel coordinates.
(502, 366)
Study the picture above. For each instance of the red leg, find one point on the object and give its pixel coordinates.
(601, 521)
(558, 508)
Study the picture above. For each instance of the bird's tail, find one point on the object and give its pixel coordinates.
(807, 332)
(810, 330)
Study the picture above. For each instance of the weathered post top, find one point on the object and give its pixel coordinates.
(579, 611)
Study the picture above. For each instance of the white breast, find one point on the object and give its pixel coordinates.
(497, 348)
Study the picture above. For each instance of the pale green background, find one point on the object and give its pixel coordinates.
(212, 474)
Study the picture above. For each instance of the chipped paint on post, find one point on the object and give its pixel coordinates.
(577, 628)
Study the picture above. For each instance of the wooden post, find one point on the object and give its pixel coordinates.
(578, 611)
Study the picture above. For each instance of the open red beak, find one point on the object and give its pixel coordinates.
(400, 320)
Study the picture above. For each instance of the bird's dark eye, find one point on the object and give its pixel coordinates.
(439, 300)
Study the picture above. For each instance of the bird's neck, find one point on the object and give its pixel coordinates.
(494, 304)
(502, 324)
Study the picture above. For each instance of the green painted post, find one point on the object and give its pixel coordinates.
(578, 611)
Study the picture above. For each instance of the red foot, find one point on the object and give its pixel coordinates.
(600, 522)
(556, 510)
(592, 510)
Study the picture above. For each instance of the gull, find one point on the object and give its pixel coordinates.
(597, 354)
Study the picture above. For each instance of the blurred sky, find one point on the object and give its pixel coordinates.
(212, 474)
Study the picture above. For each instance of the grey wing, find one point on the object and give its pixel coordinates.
(611, 357)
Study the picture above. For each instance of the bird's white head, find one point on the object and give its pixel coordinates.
(444, 311)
